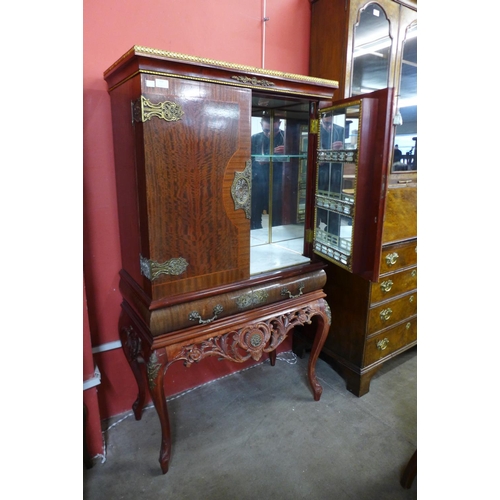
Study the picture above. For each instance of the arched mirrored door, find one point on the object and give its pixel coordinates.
(405, 142)
(372, 51)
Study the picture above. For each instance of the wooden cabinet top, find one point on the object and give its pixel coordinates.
(141, 59)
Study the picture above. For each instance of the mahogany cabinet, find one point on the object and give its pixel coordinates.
(196, 280)
(371, 279)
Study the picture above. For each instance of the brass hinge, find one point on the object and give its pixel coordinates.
(309, 235)
(143, 110)
(314, 126)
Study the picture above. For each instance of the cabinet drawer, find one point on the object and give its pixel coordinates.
(391, 340)
(207, 310)
(391, 312)
(397, 257)
(393, 284)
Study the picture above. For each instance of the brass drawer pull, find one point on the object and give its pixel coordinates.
(391, 259)
(386, 286)
(195, 315)
(285, 290)
(385, 314)
(412, 298)
(413, 273)
(382, 344)
(408, 326)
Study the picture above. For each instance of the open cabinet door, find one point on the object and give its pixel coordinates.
(353, 153)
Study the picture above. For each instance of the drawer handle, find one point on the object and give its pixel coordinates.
(195, 315)
(386, 285)
(408, 326)
(413, 273)
(412, 298)
(391, 258)
(385, 314)
(285, 290)
(382, 344)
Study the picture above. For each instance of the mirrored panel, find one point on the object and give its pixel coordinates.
(372, 50)
(336, 182)
(405, 141)
(279, 144)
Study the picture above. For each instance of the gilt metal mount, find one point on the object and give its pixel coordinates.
(241, 189)
(143, 110)
(152, 269)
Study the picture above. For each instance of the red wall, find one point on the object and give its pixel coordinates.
(219, 29)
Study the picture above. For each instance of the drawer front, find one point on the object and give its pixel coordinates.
(208, 310)
(397, 257)
(391, 340)
(393, 285)
(391, 312)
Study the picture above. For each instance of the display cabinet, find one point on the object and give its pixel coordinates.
(366, 224)
(215, 173)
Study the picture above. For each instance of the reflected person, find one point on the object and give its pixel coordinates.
(260, 144)
(332, 136)
(331, 140)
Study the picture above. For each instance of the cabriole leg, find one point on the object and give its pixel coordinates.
(131, 345)
(323, 320)
(156, 367)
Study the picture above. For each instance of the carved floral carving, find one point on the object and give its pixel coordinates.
(251, 341)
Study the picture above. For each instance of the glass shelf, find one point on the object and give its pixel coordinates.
(278, 158)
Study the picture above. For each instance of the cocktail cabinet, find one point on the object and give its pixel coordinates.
(215, 171)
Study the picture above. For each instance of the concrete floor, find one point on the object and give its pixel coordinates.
(258, 434)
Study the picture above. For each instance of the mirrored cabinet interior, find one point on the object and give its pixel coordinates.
(215, 168)
(336, 189)
(279, 182)
(366, 210)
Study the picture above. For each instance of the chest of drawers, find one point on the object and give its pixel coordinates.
(372, 45)
(374, 321)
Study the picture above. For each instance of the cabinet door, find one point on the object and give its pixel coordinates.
(196, 236)
(353, 151)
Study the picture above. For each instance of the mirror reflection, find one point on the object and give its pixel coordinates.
(336, 182)
(405, 141)
(372, 50)
(279, 142)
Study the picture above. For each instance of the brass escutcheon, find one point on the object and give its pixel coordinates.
(391, 259)
(414, 273)
(386, 285)
(411, 298)
(385, 314)
(382, 344)
(408, 325)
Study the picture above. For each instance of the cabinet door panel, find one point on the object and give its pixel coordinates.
(188, 161)
(351, 160)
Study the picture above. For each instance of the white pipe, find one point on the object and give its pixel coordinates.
(107, 347)
(92, 381)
